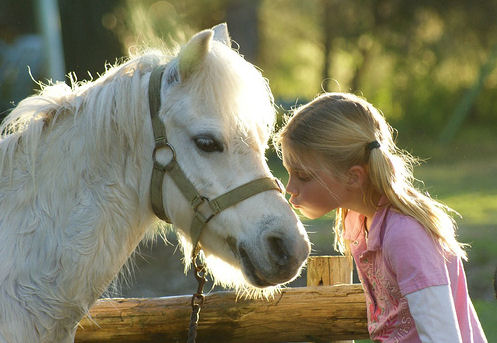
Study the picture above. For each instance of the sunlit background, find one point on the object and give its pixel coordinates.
(430, 66)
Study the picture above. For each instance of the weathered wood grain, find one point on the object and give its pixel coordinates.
(296, 314)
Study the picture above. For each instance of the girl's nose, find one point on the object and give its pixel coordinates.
(290, 188)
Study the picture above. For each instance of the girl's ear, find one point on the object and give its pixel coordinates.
(356, 176)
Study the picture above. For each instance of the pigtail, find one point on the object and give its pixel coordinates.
(340, 244)
(390, 172)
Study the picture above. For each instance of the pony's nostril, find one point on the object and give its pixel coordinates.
(278, 250)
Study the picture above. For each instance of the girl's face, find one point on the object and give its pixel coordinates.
(314, 196)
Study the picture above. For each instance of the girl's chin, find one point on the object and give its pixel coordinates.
(311, 217)
(310, 214)
(307, 214)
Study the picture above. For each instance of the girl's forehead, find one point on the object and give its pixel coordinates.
(299, 163)
(309, 163)
(290, 161)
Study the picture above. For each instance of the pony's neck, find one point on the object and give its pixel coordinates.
(112, 206)
(82, 209)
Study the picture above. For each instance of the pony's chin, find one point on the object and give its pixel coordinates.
(253, 277)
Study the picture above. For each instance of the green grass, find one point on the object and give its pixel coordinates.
(486, 311)
(462, 175)
(469, 186)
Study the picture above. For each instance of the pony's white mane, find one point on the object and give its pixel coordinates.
(74, 180)
(88, 103)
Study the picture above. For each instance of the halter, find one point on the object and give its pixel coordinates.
(204, 209)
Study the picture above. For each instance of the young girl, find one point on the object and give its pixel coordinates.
(340, 154)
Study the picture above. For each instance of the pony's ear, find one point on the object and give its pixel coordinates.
(221, 34)
(192, 54)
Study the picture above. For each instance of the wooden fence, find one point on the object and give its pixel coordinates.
(320, 312)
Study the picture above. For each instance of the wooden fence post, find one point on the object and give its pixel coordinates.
(329, 271)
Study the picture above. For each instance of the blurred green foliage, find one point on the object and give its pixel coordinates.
(413, 60)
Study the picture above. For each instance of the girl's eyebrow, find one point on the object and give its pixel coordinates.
(296, 170)
(293, 168)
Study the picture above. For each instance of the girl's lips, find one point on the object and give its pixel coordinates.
(294, 205)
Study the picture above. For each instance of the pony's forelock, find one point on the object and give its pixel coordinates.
(238, 89)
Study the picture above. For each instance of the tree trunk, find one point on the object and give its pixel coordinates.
(242, 17)
(327, 42)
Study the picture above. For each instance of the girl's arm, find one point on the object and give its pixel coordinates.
(434, 314)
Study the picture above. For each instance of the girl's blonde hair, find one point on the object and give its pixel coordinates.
(333, 132)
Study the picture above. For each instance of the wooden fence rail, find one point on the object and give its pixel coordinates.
(302, 314)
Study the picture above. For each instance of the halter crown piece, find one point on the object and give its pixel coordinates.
(204, 209)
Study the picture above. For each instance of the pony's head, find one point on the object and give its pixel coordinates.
(218, 114)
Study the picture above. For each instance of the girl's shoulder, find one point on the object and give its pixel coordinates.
(396, 217)
(400, 227)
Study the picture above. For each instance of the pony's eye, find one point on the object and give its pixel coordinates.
(208, 144)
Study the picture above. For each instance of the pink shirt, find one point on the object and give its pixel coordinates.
(398, 258)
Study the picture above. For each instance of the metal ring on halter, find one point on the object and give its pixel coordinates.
(160, 143)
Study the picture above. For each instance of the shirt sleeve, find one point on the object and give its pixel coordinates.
(434, 314)
(414, 257)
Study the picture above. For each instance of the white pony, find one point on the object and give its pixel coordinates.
(75, 172)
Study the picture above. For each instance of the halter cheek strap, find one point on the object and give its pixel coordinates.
(204, 209)
(154, 85)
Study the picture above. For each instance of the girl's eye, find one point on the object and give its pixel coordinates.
(302, 176)
(208, 144)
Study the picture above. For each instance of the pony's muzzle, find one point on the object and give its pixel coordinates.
(285, 257)
(281, 261)
(252, 273)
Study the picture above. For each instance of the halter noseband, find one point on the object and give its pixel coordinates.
(204, 209)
